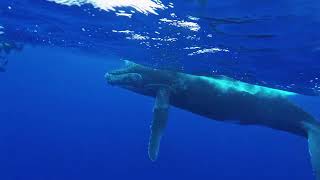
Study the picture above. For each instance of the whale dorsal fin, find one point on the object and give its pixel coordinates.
(159, 122)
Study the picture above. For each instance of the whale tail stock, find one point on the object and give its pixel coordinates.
(310, 104)
(313, 131)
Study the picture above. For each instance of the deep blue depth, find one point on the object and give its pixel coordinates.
(60, 120)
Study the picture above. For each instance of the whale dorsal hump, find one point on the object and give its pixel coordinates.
(159, 122)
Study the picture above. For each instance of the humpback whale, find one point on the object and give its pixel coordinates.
(222, 99)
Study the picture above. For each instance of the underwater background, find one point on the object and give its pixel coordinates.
(60, 119)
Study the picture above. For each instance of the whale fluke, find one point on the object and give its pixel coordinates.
(160, 117)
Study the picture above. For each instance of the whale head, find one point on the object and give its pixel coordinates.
(128, 77)
(140, 79)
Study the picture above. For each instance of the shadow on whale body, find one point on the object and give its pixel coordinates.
(222, 99)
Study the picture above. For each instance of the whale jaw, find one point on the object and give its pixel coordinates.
(126, 79)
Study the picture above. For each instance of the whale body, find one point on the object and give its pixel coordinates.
(222, 99)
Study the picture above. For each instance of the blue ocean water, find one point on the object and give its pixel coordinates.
(60, 119)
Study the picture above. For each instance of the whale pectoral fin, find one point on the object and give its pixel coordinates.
(160, 118)
(314, 148)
